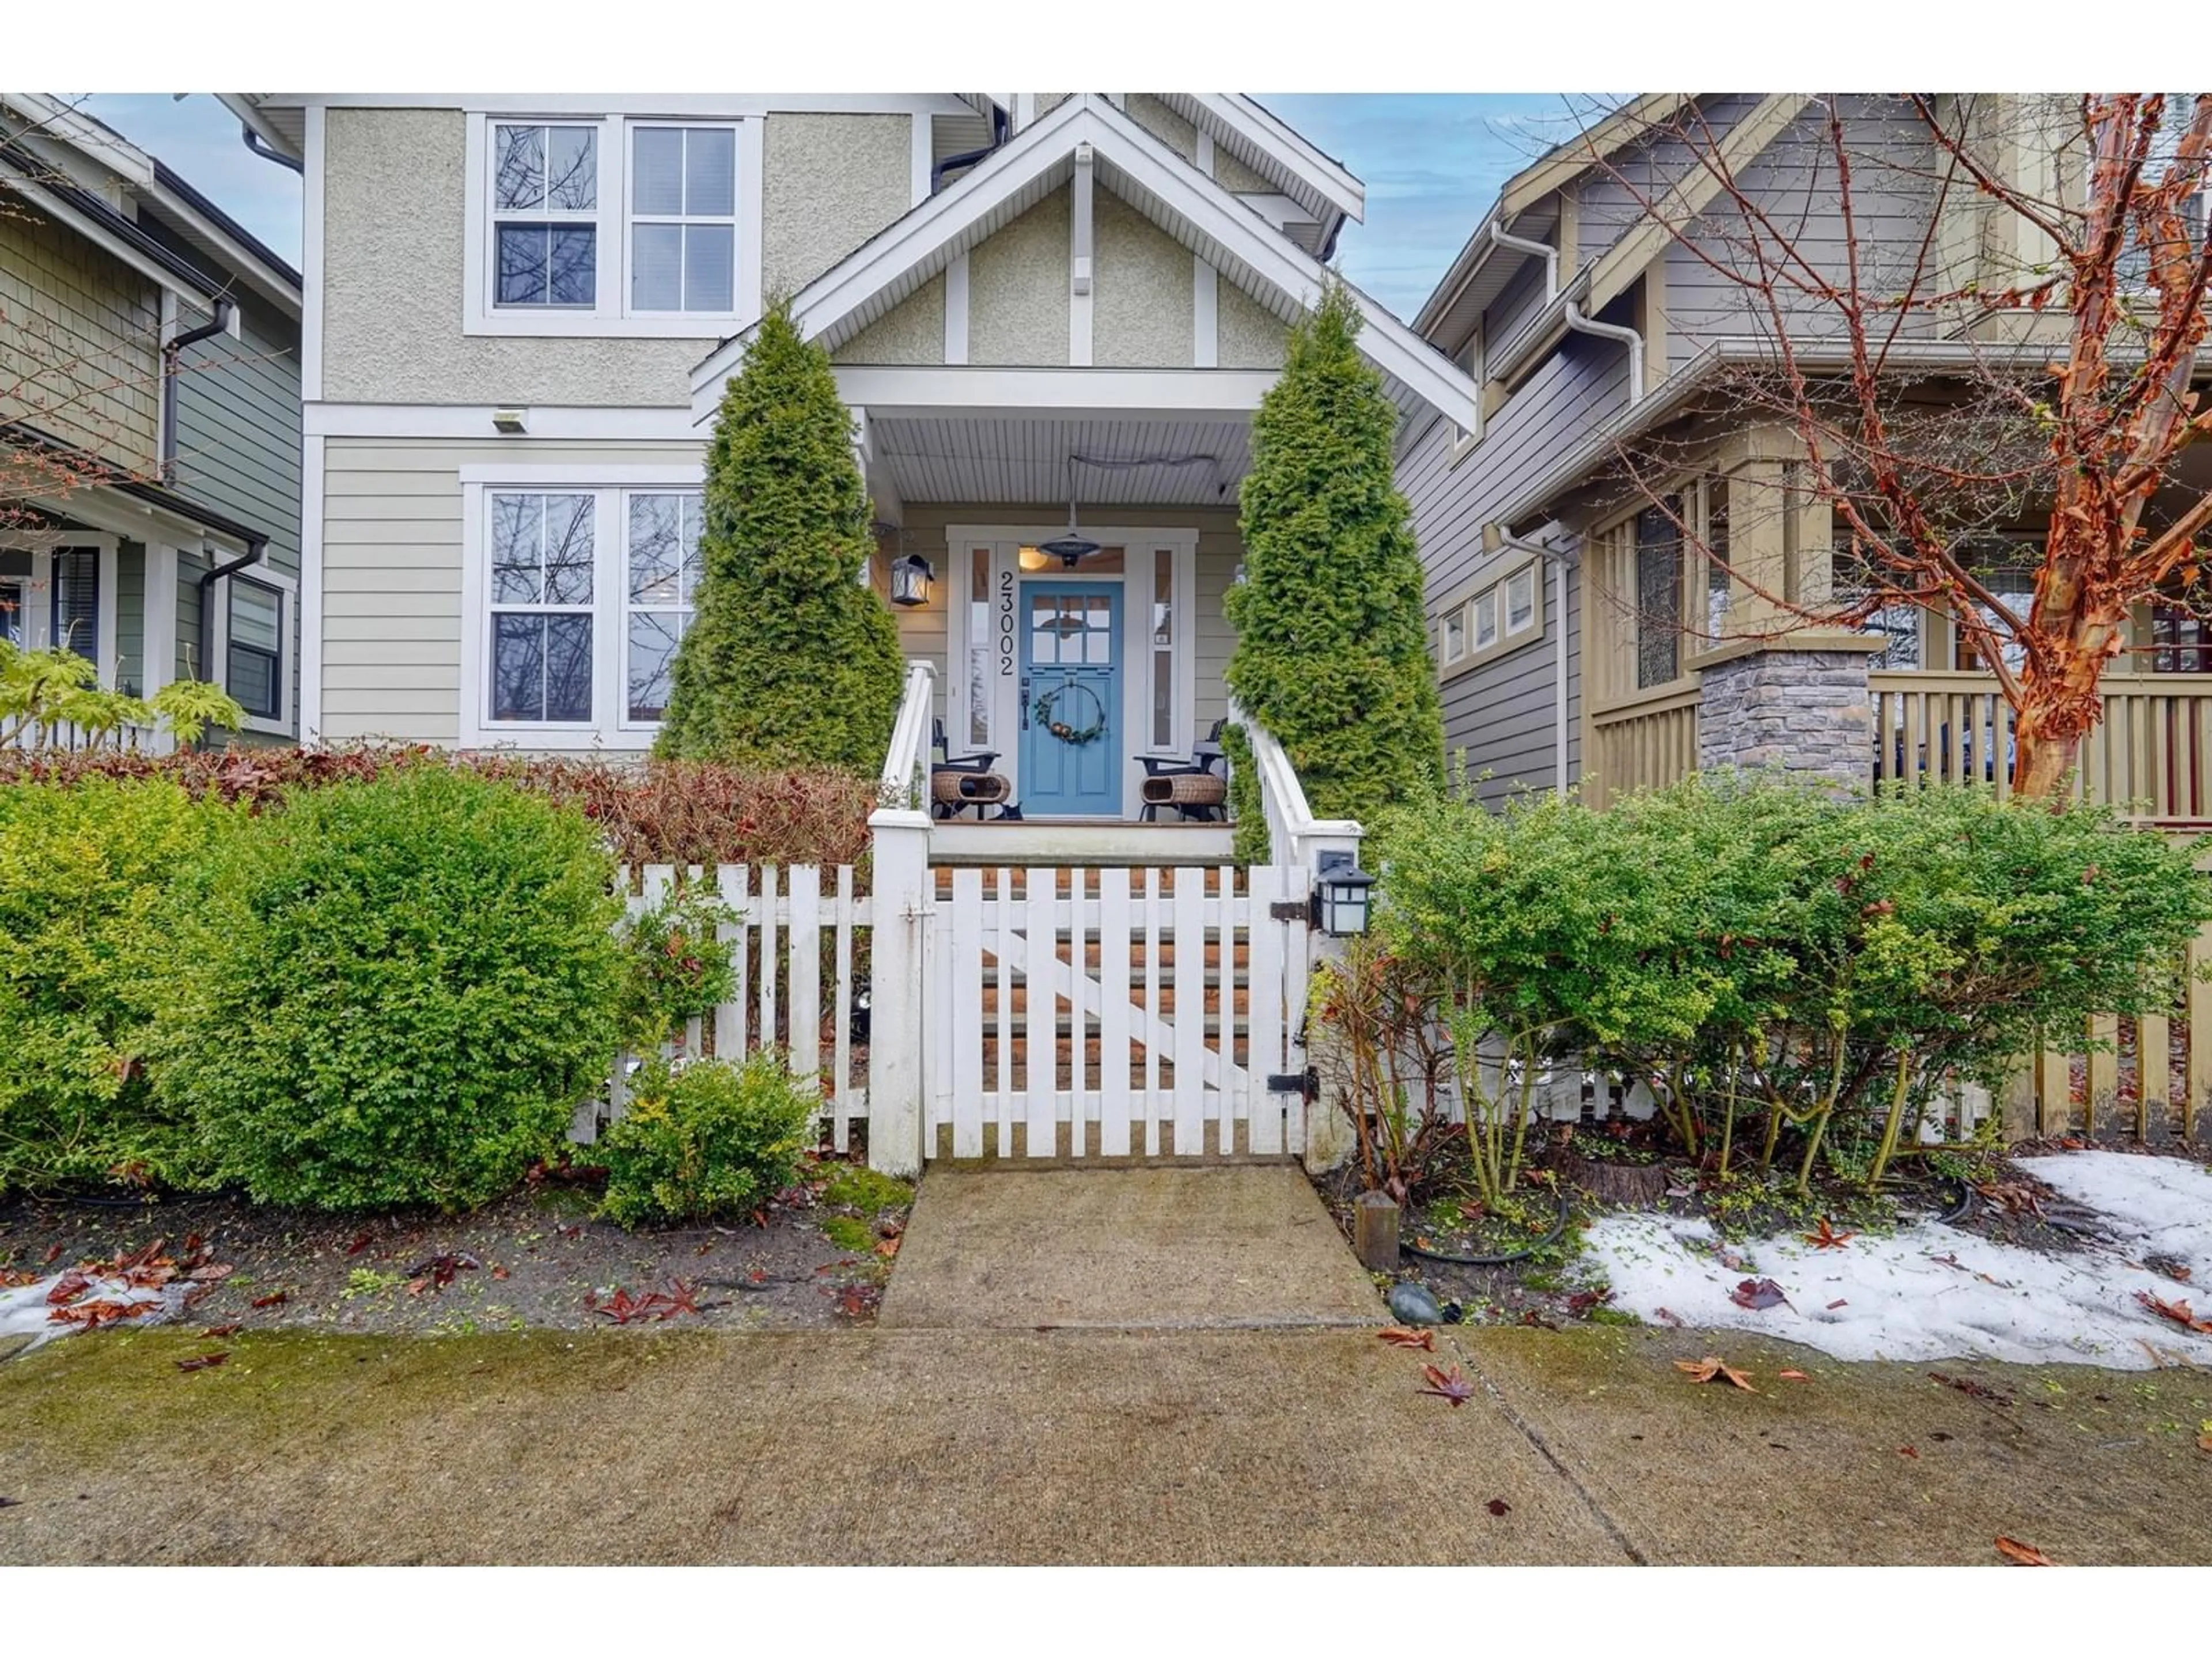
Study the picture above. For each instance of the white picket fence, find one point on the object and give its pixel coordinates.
(1143, 1010)
(778, 918)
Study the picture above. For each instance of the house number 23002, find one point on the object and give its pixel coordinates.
(1007, 624)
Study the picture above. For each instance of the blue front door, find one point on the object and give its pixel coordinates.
(1071, 715)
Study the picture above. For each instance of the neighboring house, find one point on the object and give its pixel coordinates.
(1578, 640)
(521, 312)
(149, 421)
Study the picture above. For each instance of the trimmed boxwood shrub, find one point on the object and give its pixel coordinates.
(396, 991)
(82, 868)
(712, 1140)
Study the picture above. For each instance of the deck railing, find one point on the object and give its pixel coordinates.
(1641, 745)
(2148, 757)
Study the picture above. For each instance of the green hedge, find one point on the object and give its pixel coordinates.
(82, 955)
(715, 1139)
(391, 992)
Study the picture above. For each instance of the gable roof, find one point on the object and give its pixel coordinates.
(1192, 208)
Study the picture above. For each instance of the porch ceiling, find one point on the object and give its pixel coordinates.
(1024, 462)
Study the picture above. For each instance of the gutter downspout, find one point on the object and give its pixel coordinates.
(1523, 245)
(1621, 332)
(170, 352)
(256, 545)
(255, 143)
(968, 158)
(1560, 563)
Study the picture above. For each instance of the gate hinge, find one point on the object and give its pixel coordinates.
(1305, 1085)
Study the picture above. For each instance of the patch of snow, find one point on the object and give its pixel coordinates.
(26, 1310)
(1931, 1291)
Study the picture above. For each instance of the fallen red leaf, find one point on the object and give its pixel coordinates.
(1398, 1336)
(2178, 1312)
(1499, 1506)
(1907, 1451)
(1793, 1376)
(1839, 1303)
(201, 1362)
(1669, 1317)
(53, 1255)
(1451, 1385)
(273, 1299)
(1757, 1294)
(1972, 1389)
(361, 1242)
(216, 1333)
(499, 1272)
(2023, 1555)
(208, 1272)
(1827, 1238)
(71, 1286)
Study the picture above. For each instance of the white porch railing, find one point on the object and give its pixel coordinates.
(67, 737)
(904, 782)
(1296, 837)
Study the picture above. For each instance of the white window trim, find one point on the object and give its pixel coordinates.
(287, 633)
(608, 486)
(611, 317)
(39, 623)
(1005, 542)
(1491, 589)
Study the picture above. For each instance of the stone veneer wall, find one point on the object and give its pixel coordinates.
(1800, 711)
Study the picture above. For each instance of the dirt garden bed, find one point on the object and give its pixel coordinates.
(818, 1256)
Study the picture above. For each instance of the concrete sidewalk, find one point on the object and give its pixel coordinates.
(1157, 1248)
(1073, 1446)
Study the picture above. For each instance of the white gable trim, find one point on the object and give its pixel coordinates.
(1183, 202)
(1332, 182)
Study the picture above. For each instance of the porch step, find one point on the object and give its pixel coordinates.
(1082, 845)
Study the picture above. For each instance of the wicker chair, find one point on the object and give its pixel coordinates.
(1198, 788)
(968, 781)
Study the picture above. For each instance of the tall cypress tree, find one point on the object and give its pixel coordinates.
(788, 661)
(1332, 652)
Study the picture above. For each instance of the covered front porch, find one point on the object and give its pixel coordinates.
(1077, 649)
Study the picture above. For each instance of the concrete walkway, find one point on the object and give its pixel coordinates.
(1251, 1424)
(1160, 1248)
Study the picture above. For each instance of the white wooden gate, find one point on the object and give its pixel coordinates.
(1146, 1013)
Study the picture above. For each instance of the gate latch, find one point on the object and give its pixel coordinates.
(1289, 910)
(1305, 1085)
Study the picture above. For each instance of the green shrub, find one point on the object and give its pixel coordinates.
(1332, 650)
(678, 968)
(81, 951)
(711, 1139)
(1751, 948)
(398, 990)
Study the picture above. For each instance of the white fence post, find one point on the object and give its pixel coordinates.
(902, 907)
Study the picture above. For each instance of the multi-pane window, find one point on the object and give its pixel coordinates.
(682, 218)
(1658, 596)
(1520, 600)
(661, 557)
(542, 550)
(1455, 635)
(254, 671)
(1486, 620)
(545, 199)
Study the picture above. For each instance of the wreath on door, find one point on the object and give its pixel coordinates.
(1046, 707)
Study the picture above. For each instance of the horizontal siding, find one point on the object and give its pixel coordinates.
(391, 574)
(1500, 717)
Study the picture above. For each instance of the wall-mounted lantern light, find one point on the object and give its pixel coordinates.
(512, 421)
(910, 579)
(1342, 895)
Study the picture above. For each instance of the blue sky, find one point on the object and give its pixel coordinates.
(1431, 163)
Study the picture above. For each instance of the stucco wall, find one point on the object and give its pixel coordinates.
(393, 213)
(1018, 289)
(1162, 123)
(1249, 334)
(79, 353)
(828, 182)
(1141, 315)
(1233, 174)
(912, 331)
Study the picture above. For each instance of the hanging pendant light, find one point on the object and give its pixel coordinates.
(1074, 547)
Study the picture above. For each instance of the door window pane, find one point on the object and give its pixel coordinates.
(979, 646)
(1164, 676)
